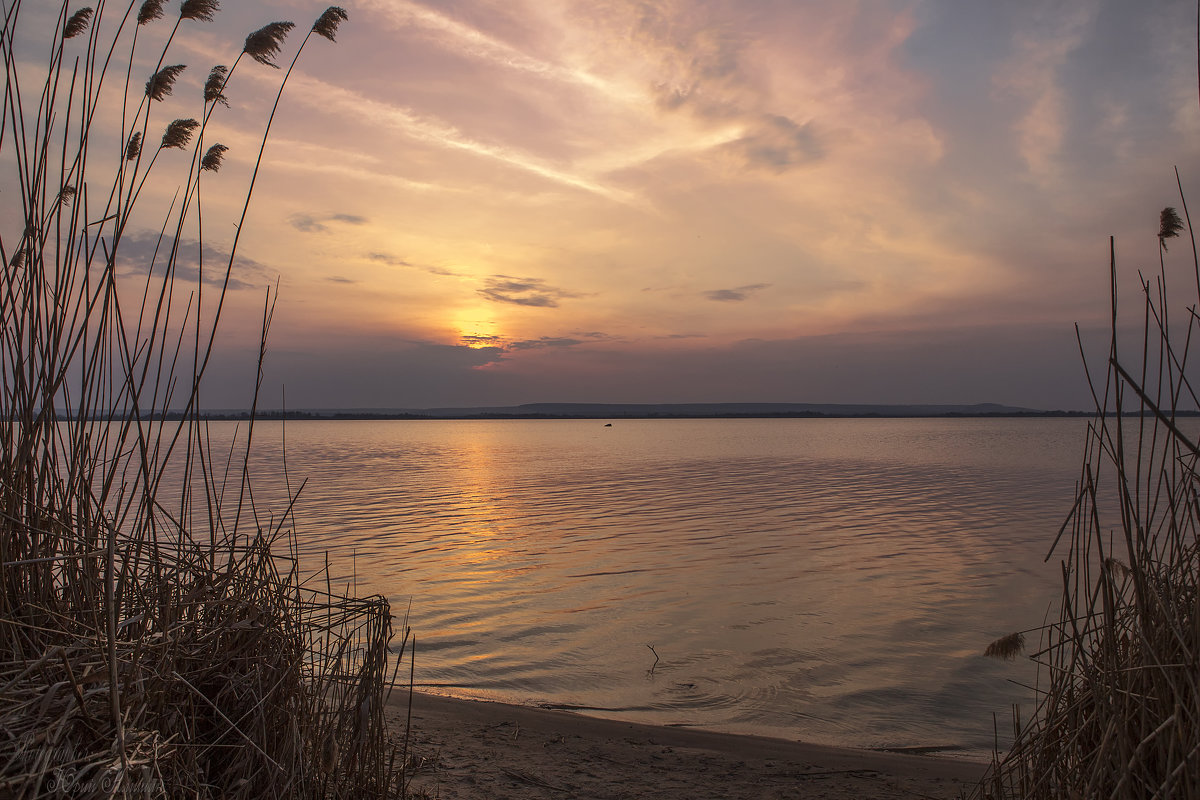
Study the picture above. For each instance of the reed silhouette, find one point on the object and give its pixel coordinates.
(1118, 687)
(155, 635)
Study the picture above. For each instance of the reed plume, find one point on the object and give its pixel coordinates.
(179, 133)
(327, 24)
(133, 148)
(150, 11)
(1169, 226)
(266, 42)
(162, 82)
(203, 10)
(1006, 647)
(213, 158)
(77, 24)
(1117, 567)
(215, 84)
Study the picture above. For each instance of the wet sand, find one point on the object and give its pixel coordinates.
(481, 750)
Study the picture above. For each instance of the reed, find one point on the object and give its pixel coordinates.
(156, 639)
(1118, 693)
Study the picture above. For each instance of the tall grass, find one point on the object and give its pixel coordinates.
(1118, 713)
(155, 638)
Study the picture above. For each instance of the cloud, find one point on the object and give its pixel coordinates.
(1033, 366)
(1029, 366)
(307, 223)
(340, 279)
(481, 340)
(337, 372)
(736, 295)
(1031, 76)
(504, 345)
(544, 341)
(390, 260)
(396, 261)
(473, 42)
(777, 143)
(136, 253)
(699, 57)
(430, 129)
(523, 292)
(707, 62)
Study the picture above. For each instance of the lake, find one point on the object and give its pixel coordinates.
(828, 580)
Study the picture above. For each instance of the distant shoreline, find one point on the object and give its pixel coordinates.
(632, 411)
(301, 416)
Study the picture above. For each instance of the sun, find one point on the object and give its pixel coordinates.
(477, 330)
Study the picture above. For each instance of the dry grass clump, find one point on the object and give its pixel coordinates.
(1118, 712)
(155, 638)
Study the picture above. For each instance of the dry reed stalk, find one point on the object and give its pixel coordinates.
(1118, 705)
(148, 646)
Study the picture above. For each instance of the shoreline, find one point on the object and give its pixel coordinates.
(482, 749)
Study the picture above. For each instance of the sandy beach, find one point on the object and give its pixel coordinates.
(481, 750)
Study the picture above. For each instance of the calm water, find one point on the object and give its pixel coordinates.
(826, 580)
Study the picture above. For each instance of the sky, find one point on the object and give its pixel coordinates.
(493, 202)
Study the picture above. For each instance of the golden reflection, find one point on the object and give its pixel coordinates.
(477, 491)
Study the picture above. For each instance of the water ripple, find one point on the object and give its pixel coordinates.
(832, 580)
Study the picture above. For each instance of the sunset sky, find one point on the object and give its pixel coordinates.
(490, 202)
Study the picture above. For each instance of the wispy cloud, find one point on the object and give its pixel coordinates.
(395, 261)
(736, 295)
(545, 341)
(1031, 77)
(346, 103)
(482, 340)
(523, 291)
(370, 176)
(539, 343)
(474, 43)
(139, 252)
(307, 223)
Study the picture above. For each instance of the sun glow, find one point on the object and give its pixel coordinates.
(477, 331)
